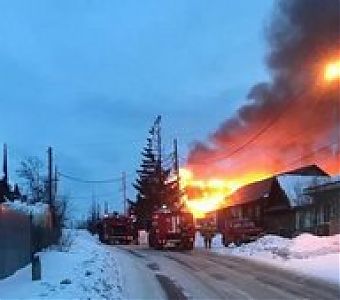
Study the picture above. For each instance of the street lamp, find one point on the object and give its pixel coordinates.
(332, 71)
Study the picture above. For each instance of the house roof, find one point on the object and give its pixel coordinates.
(289, 181)
(253, 191)
(329, 183)
(312, 170)
(294, 187)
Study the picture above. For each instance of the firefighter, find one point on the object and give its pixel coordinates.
(208, 232)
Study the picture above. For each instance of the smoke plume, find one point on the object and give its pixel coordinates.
(289, 121)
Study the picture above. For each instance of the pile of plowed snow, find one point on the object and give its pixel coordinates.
(85, 269)
(313, 255)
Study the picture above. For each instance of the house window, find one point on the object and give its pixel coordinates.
(307, 220)
(239, 212)
(327, 212)
(257, 211)
(250, 212)
(320, 215)
(297, 220)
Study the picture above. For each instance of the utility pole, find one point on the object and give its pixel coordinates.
(5, 164)
(157, 139)
(50, 175)
(55, 189)
(98, 211)
(176, 169)
(124, 191)
(158, 129)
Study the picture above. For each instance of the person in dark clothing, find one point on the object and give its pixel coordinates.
(208, 232)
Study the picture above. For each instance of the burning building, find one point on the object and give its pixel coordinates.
(292, 120)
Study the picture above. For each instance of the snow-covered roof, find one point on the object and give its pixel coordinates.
(294, 187)
(330, 183)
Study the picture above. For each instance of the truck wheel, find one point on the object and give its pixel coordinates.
(238, 243)
(186, 246)
(190, 246)
(159, 247)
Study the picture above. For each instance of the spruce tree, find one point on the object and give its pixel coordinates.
(154, 189)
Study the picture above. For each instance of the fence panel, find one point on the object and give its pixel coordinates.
(15, 241)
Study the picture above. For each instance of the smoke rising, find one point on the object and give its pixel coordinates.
(291, 117)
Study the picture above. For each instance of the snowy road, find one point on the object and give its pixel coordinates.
(150, 274)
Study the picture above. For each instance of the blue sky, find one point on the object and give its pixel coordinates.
(89, 77)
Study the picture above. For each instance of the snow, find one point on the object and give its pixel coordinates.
(215, 243)
(86, 268)
(295, 185)
(143, 237)
(307, 254)
(39, 210)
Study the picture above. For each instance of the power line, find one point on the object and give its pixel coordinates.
(263, 130)
(77, 179)
(310, 154)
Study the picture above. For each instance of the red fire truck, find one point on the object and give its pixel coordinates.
(172, 229)
(117, 229)
(239, 231)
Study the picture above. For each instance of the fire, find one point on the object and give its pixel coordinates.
(332, 71)
(205, 195)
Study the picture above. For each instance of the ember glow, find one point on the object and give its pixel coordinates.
(332, 71)
(205, 195)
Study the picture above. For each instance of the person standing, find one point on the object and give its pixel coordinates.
(208, 233)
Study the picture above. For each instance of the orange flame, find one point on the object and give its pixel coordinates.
(206, 195)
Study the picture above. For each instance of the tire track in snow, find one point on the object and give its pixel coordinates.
(171, 289)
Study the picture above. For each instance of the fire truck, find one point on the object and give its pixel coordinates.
(240, 231)
(117, 229)
(172, 229)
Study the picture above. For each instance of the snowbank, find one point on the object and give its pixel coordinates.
(86, 271)
(216, 242)
(312, 255)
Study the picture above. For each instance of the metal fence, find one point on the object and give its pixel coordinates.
(19, 238)
(15, 241)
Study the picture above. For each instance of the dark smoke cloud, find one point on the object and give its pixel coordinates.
(294, 107)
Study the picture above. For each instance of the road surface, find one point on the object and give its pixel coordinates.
(151, 274)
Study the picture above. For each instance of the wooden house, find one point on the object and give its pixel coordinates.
(272, 203)
(322, 216)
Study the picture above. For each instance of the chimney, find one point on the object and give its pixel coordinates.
(5, 166)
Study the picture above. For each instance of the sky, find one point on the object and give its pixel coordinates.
(89, 77)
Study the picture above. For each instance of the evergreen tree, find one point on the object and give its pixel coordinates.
(153, 186)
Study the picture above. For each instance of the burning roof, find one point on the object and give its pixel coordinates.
(293, 183)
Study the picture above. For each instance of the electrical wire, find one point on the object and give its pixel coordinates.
(310, 154)
(77, 179)
(277, 117)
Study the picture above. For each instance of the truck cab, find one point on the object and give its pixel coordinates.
(240, 231)
(172, 229)
(117, 229)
